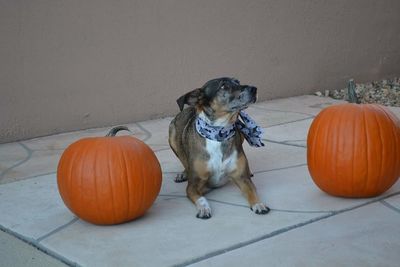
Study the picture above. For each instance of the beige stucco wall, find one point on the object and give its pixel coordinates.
(68, 65)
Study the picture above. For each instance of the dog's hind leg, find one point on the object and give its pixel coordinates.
(180, 177)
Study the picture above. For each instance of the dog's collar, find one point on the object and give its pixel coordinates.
(247, 126)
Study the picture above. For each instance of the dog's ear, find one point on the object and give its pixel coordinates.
(192, 98)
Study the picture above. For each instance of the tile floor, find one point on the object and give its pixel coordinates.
(305, 227)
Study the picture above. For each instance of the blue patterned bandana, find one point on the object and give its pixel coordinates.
(247, 126)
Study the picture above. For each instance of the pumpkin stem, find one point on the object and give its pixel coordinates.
(116, 129)
(351, 92)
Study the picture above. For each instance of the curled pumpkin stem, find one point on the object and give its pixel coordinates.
(116, 129)
(351, 92)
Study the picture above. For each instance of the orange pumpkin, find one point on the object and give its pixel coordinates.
(353, 150)
(109, 180)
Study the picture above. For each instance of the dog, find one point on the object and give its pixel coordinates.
(210, 163)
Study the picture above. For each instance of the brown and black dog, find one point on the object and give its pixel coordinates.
(209, 163)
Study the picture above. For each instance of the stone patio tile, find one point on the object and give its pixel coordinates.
(33, 207)
(291, 189)
(61, 141)
(169, 187)
(301, 143)
(158, 130)
(395, 110)
(367, 236)
(394, 201)
(11, 155)
(157, 133)
(16, 253)
(307, 104)
(169, 162)
(272, 156)
(40, 162)
(40, 156)
(168, 234)
(289, 133)
(267, 118)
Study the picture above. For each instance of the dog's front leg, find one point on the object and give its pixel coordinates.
(249, 190)
(194, 191)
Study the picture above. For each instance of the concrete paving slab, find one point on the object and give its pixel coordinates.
(272, 156)
(38, 163)
(40, 156)
(32, 207)
(169, 162)
(16, 253)
(394, 202)
(61, 141)
(395, 110)
(292, 190)
(157, 131)
(306, 104)
(11, 156)
(289, 133)
(367, 236)
(168, 234)
(267, 118)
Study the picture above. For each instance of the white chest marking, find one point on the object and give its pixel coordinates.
(218, 166)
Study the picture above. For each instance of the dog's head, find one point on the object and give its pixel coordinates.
(220, 97)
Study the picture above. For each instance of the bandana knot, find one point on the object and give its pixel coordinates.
(247, 126)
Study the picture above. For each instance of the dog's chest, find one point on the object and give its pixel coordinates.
(219, 164)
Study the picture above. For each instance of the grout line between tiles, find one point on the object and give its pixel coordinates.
(148, 133)
(282, 168)
(247, 207)
(283, 123)
(390, 206)
(278, 232)
(282, 143)
(249, 242)
(40, 247)
(299, 140)
(284, 111)
(258, 172)
(27, 178)
(58, 229)
(161, 149)
(28, 157)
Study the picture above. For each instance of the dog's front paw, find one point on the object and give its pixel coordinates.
(260, 208)
(204, 213)
(181, 177)
(203, 208)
